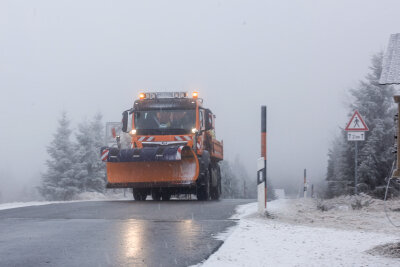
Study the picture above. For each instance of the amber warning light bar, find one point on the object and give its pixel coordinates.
(160, 95)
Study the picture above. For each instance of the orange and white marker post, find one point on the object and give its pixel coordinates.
(305, 184)
(262, 165)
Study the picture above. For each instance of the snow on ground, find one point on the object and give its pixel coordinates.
(13, 205)
(298, 234)
(340, 214)
(109, 195)
(87, 196)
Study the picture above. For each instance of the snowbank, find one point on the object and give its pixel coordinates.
(302, 235)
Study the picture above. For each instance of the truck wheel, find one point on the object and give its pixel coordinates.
(203, 191)
(156, 195)
(165, 196)
(215, 191)
(139, 196)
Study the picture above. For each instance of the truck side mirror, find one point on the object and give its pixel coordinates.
(125, 115)
(209, 118)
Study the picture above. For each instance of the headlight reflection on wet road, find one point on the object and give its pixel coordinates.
(134, 239)
(141, 239)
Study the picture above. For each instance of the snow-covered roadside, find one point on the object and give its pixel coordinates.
(370, 218)
(87, 196)
(257, 241)
(14, 205)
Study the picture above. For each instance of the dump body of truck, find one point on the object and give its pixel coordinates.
(173, 149)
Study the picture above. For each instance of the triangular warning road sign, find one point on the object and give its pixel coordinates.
(356, 123)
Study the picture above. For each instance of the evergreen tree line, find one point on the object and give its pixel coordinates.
(74, 164)
(375, 155)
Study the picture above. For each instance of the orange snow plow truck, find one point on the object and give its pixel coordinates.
(173, 149)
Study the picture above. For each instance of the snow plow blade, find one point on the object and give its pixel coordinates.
(152, 166)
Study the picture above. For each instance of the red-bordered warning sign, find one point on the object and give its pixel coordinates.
(356, 123)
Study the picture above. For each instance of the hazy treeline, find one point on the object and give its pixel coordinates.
(74, 164)
(237, 183)
(375, 154)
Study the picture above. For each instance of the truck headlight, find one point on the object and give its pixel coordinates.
(194, 130)
(133, 132)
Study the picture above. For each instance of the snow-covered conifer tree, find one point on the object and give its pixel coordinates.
(375, 104)
(90, 170)
(58, 182)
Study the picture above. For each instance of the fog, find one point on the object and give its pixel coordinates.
(297, 57)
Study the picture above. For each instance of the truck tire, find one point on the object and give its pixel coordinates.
(139, 195)
(166, 196)
(156, 195)
(215, 191)
(203, 191)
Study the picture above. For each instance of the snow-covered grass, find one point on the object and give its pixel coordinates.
(301, 235)
(341, 215)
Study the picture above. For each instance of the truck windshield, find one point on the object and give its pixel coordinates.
(164, 121)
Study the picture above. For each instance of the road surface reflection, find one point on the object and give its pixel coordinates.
(144, 241)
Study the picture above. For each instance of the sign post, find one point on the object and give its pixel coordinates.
(356, 129)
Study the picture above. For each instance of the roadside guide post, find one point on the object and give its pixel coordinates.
(262, 165)
(305, 184)
(356, 129)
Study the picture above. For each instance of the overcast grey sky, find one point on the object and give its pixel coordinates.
(297, 57)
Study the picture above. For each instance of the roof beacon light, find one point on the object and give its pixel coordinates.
(142, 95)
(195, 94)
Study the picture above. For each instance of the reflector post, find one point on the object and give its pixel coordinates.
(262, 164)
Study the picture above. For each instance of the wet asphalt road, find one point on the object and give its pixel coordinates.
(114, 233)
